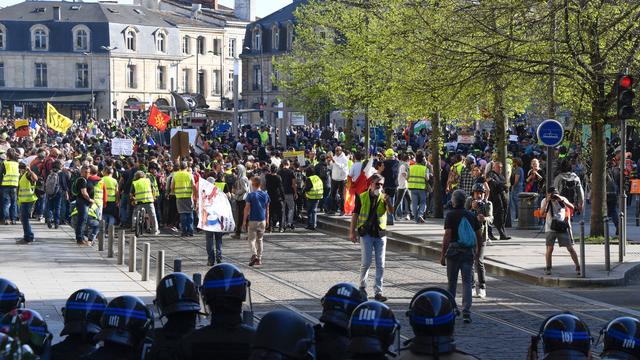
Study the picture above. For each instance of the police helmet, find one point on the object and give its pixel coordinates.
(478, 187)
(10, 297)
(339, 302)
(622, 336)
(83, 311)
(176, 292)
(432, 312)
(224, 281)
(283, 334)
(566, 335)
(29, 327)
(126, 321)
(371, 328)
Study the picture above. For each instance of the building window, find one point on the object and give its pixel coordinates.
(131, 76)
(186, 42)
(257, 39)
(186, 80)
(289, 37)
(40, 79)
(275, 77)
(232, 48)
(82, 40)
(230, 81)
(2, 74)
(202, 82)
(2, 37)
(82, 75)
(215, 82)
(275, 38)
(257, 77)
(216, 47)
(130, 40)
(161, 75)
(40, 40)
(161, 43)
(200, 44)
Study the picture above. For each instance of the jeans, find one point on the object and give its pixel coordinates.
(214, 256)
(513, 203)
(377, 246)
(186, 222)
(93, 226)
(108, 220)
(53, 208)
(312, 213)
(462, 263)
(25, 213)
(124, 209)
(399, 203)
(337, 195)
(612, 212)
(479, 269)
(9, 203)
(290, 204)
(391, 192)
(418, 203)
(40, 206)
(81, 218)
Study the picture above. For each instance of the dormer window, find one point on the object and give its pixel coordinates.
(81, 38)
(39, 38)
(289, 37)
(275, 37)
(257, 39)
(161, 41)
(130, 39)
(3, 37)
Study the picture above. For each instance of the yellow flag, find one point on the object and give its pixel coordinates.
(57, 121)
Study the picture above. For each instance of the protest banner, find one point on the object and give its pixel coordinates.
(214, 209)
(121, 146)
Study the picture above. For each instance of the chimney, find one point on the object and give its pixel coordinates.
(210, 4)
(56, 13)
(245, 10)
(196, 8)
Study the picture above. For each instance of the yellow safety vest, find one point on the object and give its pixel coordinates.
(154, 186)
(264, 137)
(417, 177)
(143, 192)
(98, 192)
(183, 186)
(11, 173)
(92, 211)
(112, 187)
(220, 185)
(316, 188)
(365, 205)
(26, 190)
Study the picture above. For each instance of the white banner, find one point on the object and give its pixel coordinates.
(214, 209)
(121, 147)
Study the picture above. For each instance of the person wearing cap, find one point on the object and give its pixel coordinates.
(390, 172)
(557, 210)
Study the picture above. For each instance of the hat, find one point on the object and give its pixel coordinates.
(471, 158)
(552, 190)
(389, 153)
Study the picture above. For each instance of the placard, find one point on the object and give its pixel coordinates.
(121, 146)
(214, 209)
(297, 119)
(192, 134)
(180, 145)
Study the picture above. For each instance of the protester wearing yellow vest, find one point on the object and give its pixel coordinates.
(264, 136)
(313, 189)
(418, 180)
(26, 198)
(9, 184)
(369, 224)
(93, 221)
(183, 187)
(142, 197)
(111, 185)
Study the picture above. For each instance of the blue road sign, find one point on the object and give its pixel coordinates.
(550, 133)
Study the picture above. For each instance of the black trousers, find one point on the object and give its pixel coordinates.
(336, 195)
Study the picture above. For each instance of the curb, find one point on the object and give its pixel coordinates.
(432, 249)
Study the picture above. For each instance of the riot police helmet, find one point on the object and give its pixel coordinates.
(372, 328)
(10, 297)
(283, 334)
(175, 293)
(224, 282)
(566, 336)
(29, 327)
(82, 312)
(125, 321)
(622, 337)
(339, 302)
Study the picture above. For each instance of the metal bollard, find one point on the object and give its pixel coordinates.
(607, 255)
(622, 237)
(101, 236)
(121, 248)
(177, 265)
(110, 241)
(132, 253)
(159, 266)
(583, 265)
(146, 260)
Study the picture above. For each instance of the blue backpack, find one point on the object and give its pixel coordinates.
(466, 234)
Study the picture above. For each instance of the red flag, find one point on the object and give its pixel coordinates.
(158, 119)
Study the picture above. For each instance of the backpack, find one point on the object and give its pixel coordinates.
(466, 234)
(52, 185)
(570, 190)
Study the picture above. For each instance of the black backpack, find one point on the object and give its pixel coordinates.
(570, 190)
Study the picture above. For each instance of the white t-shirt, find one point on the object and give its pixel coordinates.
(559, 213)
(403, 176)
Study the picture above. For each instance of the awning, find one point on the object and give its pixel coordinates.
(45, 96)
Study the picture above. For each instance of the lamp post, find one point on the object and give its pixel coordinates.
(90, 55)
(109, 49)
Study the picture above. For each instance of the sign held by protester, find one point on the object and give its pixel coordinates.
(121, 146)
(22, 128)
(214, 209)
(180, 145)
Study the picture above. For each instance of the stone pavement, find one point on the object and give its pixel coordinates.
(522, 257)
(50, 270)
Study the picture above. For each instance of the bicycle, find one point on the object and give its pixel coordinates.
(141, 222)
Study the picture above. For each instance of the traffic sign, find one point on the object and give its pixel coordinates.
(550, 133)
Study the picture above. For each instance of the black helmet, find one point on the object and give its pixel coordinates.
(10, 297)
(176, 292)
(27, 326)
(339, 302)
(566, 333)
(283, 334)
(622, 335)
(478, 187)
(224, 281)
(83, 311)
(432, 312)
(126, 321)
(372, 328)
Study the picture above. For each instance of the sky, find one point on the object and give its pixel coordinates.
(263, 7)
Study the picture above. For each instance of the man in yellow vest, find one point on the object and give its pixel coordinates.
(9, 184)
(183, 187)
(313, 190)
(26, 198)
(369, 224)
(142, 197)
(417, 185)
(111, 185)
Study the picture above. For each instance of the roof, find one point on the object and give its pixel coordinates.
(280, 18)
(282, 15)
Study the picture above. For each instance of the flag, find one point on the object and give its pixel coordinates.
(151, 142)
(158, 119)
(34, 124)
(57, 121)
(22, 128)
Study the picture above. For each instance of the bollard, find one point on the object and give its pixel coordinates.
(146, 260)
(583, 266)
(132, 253)
(101, 236)
(607, 255)
(622, 237)
(121, 248)
(110, 241)
(159, 266)
(177, 265)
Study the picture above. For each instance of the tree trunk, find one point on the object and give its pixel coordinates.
(436, 137)
(598, 168)
(501, 125)
(348, 132)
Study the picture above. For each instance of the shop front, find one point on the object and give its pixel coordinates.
(25, 104)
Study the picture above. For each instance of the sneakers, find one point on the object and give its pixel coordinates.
(482, 293)
(253, 261)
(24, 242)
(380, 297)
(466, 318)
(364, 292)
(258, 261)
(156, 233)
(83, 243)
(547, 271)
(578, 271)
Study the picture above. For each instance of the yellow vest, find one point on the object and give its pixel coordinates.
(11, 173)
(26, 190)
(220, 185)
(365, 205)
(183, 186)
(98, 193)
(112, 188)
(143, 193)
(417, 177)
(91, 212)
(264, 137)
(316, 190)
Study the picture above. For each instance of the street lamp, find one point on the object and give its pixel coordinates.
(90, 55)
(109, 49)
